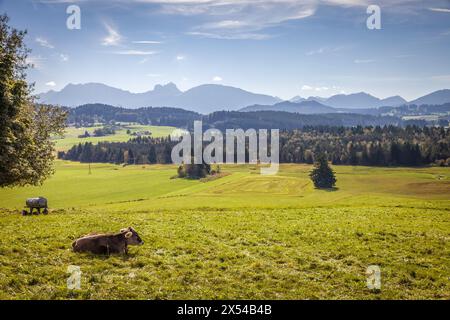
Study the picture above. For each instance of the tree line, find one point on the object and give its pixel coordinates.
(372, 146)
(140, 150)
(90, 114)
(223, 120)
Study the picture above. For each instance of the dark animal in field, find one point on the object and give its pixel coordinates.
(36, 203)
(108, 243)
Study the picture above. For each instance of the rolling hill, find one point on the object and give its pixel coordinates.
(434, 98)
(304, 107)
(361, 100)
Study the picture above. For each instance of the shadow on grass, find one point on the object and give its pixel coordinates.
(328, 189)
(123, 257)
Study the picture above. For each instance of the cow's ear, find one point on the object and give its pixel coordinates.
(128, 235)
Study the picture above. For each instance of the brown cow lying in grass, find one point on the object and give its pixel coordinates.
(108, 243)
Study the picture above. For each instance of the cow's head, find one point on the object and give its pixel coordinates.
(131, 236)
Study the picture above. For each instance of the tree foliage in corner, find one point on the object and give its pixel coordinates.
(322, 175)
(26, 147)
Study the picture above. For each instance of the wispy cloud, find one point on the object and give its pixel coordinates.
(44, 43)
(180, 57)
(226, 24)
(113, 38)
(321, 90)
(225, 19)
(314, 52)
(317, 89)
(135, 53)
(217, 79)
(361, 61)
(154, 75)
(246, 19)
(147, 42)
(239, 36)
(439, 10)
(324, 50)
(51, 84)
(64, 57)
(445, 77)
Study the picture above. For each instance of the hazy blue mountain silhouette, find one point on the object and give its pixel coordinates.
(304, 107)
(209, 98)
(437, 97)
(204, 99)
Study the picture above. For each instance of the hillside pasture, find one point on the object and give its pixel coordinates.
(71, 135)
(240, 236)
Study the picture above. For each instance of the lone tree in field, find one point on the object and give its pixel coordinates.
(322, 175)
(194, 171)
(26, 129)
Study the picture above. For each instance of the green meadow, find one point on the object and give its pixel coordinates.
(243, 236)
(70, 137)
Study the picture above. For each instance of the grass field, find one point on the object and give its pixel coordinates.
(71, 136)
(241, 236)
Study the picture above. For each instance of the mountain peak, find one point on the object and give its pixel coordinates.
(437, 97)
(354, 100)
(303, 107)
(393, 101)
(297, 99)
(167, 88)
(358, 94)
(169, 85)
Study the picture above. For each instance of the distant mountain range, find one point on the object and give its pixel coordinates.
(359, 100)
(303, 107)
(209, 98)
(203, 99)
(335, 104)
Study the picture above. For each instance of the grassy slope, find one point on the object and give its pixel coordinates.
(241, 236)
(150, 187)
(71, 136)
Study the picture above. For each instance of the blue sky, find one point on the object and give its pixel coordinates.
(279, 47)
